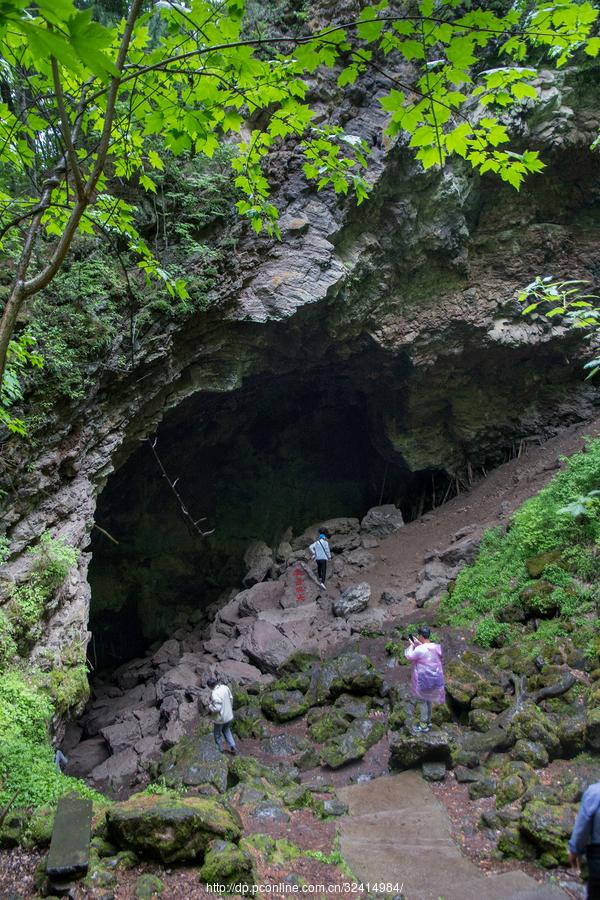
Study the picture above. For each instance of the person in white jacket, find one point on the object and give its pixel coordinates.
(320, 552)
(221, 707)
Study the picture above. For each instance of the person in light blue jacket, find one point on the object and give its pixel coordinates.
(585, 838)
(321, 553)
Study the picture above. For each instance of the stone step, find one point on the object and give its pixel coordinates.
(70, 845)
(399, 833)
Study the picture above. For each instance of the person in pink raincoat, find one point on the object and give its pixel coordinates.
(427, 677)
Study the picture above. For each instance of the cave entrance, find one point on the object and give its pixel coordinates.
(278, 454)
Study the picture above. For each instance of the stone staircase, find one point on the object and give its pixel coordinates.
(397, 832)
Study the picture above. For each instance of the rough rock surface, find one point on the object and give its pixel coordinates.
(423, 276)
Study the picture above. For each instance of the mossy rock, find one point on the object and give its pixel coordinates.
(148, 886)
(170, 829)
(481, 720)
(349, 673)
(241, 697)
(593, 729)
(354, 707)
(515, 845)
(277, 852)
(282, 706)
(329, 724)
(246, 769)
(361, 734)
(549, 827)
(124, 859)
(509, 789)
(99, 876)
(535, 565)
(532, 724)
(408, 750)
(485, 787)
(294, 681)
(530, 752)
(300, 661)
(249, 722)
(39, 828)
(397, 718)
(297, 797)
(227, 865)
(463, 683)
(194, 761)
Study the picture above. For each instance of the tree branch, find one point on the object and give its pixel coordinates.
(66, 130)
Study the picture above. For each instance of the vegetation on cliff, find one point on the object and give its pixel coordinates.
(543, 568)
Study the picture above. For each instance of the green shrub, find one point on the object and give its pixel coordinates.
(582, 560)
(489, 632)
(494, 582)
(26, 755)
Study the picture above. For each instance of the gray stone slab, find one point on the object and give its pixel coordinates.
(70, 845)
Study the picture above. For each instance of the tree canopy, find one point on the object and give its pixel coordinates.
(89, 107)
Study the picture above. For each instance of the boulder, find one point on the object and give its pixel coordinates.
(359, 558)
(249, 771)
(284, 745)
(530, 752)
(531, 724)
(382, 520)
(249, 723)
(484, 787)
(512, 843)
(509, 789)
(270, 812)
(226, 863)
(463, 683)
(148, 886)
(281, 706)
(124, 734)
(354, 707)
(535, 565)
(408, 750)
(326, 723)
(351, 673)
(259, 562)
(549, 827)
(243, 673)
(264, 595)
(266, 646)
(181, 678)
(593, 728)
(353, 744)
(352, 600)
(537, 602)
(333, 807)
(462, 552)
(195, 761)
(170, 829)
(118, 770)
(87, 756)
(431, 587)
(434, 771)
(390, 598)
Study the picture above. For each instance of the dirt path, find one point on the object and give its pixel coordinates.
(490, 502)
(398, 834)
